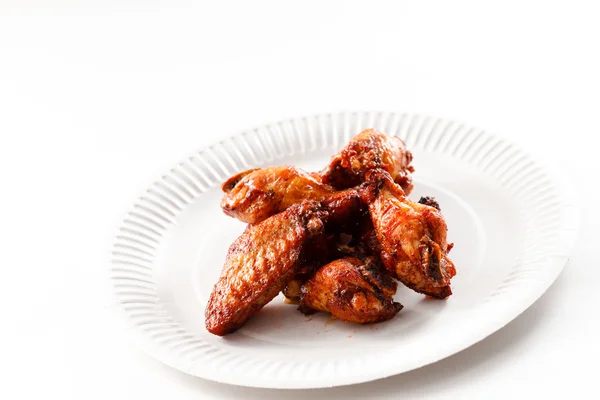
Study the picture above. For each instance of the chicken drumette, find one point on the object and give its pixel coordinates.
(368, 150)
(351, 290)
(412, 238)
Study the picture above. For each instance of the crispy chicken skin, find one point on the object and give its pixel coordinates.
(351, 290)
(259, 264)
(368, 150)
(412, 237)
(255, 195)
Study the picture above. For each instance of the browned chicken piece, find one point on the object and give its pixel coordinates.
(368, 150)
(351, 290)
(259, 264)
(412, 237)
(255, 195)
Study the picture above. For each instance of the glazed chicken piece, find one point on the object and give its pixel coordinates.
(256, 194)
(412, 237)
(259, 264)
(351, 290)
(368, 150)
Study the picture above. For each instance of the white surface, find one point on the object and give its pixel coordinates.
(513, 226)
(82, 82)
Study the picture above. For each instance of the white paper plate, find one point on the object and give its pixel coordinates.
(513, 226)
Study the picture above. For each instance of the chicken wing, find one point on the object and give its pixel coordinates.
(255, 195)
(412, 237)
(259, 264)
(351, 290)
(368, 150)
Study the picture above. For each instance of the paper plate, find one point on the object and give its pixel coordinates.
(512, 222)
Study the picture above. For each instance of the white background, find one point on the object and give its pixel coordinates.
(99, 97)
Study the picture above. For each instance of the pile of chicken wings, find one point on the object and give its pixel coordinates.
(335, 241)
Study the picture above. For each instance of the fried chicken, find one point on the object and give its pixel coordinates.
(333, 240)
(412, 237)
(351, 290)
(260, 263)
(368, 150)
(255, 195)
